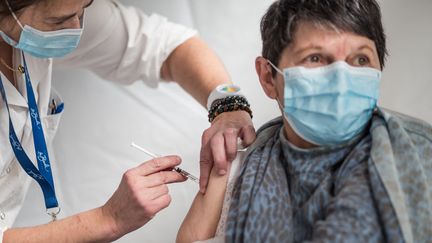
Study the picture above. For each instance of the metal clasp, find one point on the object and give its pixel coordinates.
(21, 69)
(53, 212)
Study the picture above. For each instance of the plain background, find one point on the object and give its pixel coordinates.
(101, 118)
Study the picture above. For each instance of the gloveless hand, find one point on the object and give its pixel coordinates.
(142, 193)
(219, 142)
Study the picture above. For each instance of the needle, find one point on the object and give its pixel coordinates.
(176, 169)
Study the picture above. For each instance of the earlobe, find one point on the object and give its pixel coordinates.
(265, 76)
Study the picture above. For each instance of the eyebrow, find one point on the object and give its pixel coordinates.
(366, 47)
(67, 17)
(318, 48)
(306, 48)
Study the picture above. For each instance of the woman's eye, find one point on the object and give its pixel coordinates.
(314, 59)
(361, 61)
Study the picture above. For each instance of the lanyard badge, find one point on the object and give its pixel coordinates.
(42, 174)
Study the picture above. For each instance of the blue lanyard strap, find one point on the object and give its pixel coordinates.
(43, 175)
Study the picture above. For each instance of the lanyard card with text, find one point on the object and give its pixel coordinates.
(42, 174)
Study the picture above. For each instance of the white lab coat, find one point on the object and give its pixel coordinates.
(120, 44)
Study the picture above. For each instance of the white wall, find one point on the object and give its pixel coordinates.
(407, 79)
(101, 118)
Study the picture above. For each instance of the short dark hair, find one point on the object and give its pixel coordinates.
(16, 6)
(362, 17)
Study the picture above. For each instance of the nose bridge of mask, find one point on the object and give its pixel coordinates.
(354, 79)
(339, 75)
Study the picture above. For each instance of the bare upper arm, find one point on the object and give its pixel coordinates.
(203, 217)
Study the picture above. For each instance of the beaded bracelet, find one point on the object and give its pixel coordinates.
(228, 104)
(221, 103)
(229, 100)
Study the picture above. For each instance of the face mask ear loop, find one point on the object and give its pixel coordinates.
(14, 15)
(276, 68)
(82, 19)
(281, 106)
(274, 83)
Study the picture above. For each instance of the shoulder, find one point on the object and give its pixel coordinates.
(270, 125)
(267, 131)
(413, 126)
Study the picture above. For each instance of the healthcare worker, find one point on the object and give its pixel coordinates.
(117, 43)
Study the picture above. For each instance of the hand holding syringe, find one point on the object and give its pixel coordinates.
(176, 169)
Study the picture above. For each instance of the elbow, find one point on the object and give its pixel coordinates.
(188, 234)
(183, 235)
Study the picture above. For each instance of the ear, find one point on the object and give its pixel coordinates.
(265, 75)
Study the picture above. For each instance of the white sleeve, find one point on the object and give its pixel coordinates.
(123, 44)
(2, 230)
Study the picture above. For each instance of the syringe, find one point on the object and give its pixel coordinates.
(176, 169)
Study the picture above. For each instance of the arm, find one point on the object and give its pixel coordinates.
(141, 194)
(197, 69)
(90, 226)
(203, 217)
(124, 45)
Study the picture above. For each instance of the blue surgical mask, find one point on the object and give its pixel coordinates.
(44, 44)
(329, 105)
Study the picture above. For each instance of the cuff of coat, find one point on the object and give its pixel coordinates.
(2, 231)
(179, 34)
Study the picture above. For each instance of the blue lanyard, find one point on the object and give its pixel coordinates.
(43, 175)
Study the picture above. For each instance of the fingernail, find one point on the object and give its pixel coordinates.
(222, 172)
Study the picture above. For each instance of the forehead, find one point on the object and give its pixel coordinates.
(321, 34)
(62, 6)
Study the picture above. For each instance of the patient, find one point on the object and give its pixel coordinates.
(334, 167)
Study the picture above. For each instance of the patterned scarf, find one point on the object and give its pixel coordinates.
(398, 166)
(283, 191)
